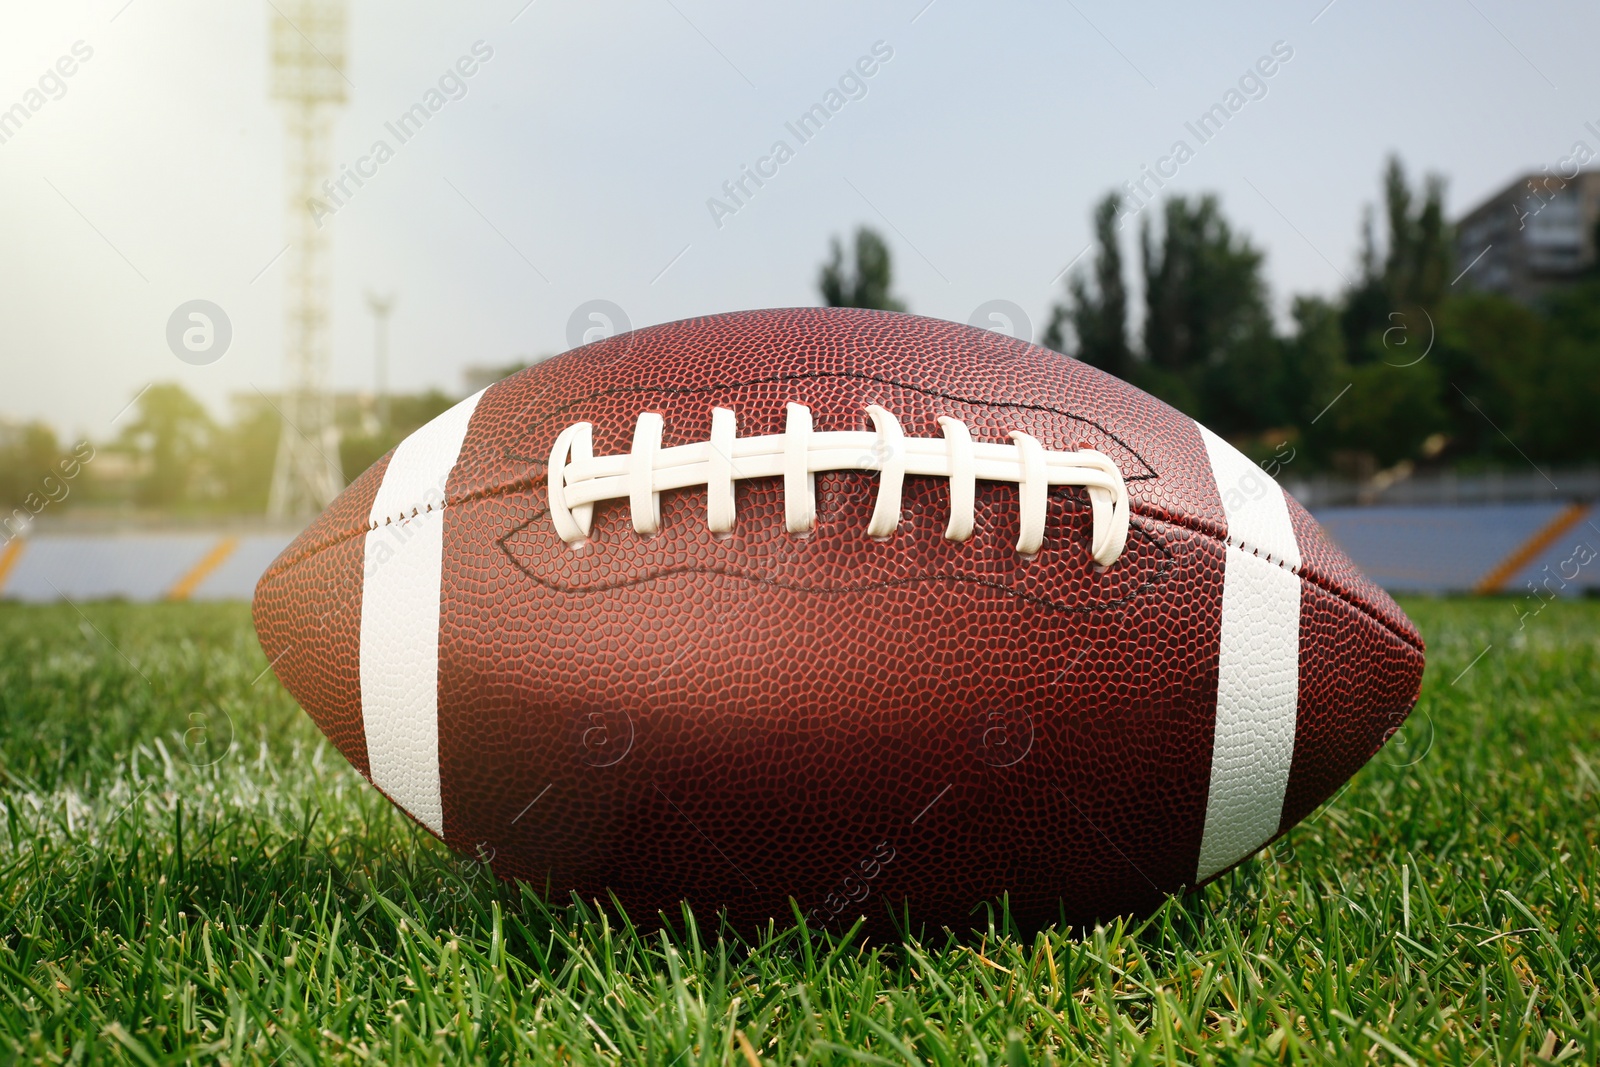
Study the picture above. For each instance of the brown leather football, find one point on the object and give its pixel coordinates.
(861, 609)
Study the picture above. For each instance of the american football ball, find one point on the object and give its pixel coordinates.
(871, 612)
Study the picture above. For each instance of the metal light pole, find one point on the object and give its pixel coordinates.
(308, 58)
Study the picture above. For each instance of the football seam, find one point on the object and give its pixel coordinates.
(1206, 529)
(1261, 553)
(1325, 584)
(1163, 569)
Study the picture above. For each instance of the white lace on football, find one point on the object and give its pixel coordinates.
(578, 478)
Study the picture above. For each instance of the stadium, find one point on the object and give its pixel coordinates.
(467, 595)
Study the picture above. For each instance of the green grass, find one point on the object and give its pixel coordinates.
(188, 872)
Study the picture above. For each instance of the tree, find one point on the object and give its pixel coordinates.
(28, 455)
(1389, 411)
(1532, 374)
(173, 438)
(360, 449)
(1562, 387)
(1098, 317)
(1390, 323)
(867, 283)
(244, 456)
(1207, 330)
(1400, 290)
(1395, 370)
(1315, 374)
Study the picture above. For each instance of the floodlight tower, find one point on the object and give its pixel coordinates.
(308, 58)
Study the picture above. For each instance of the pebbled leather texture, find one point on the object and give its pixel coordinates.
(851, 723)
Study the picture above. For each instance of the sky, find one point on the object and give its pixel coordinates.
(585, 159)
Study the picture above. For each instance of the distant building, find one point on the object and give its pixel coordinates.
(1536, 234)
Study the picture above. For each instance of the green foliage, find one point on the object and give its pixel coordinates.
(1098, 317)
(1389, 411)
(188, 873)
(1315, 372)
(1208, 340)
(1413, 371)
(1560, 386)
(1525, 375)
(360, 447)
(184, 462)
(29, 453)
(244, 454)
(1486, 345)
(1204, 294)
(1208, 345)
(1409, 284)
(867, 283)
(173, 437)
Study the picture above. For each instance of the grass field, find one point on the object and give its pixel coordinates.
(188, 872)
